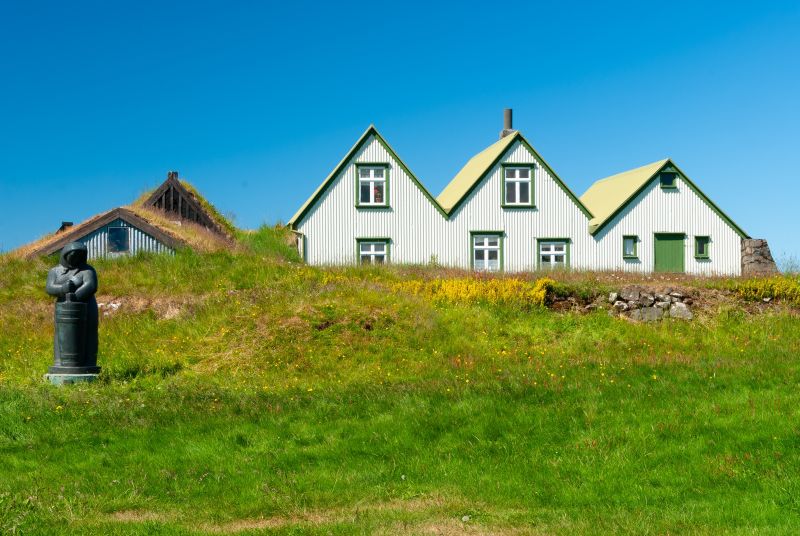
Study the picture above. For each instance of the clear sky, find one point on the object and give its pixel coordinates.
(255, 102)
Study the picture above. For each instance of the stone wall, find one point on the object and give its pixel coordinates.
(756, 258)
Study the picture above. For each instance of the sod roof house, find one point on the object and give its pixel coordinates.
(172, 217)
(507, 209)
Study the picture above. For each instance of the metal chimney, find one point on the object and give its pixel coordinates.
(508, 123)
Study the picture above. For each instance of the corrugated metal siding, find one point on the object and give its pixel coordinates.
(139, 241)
(669, 211)
(419, 233)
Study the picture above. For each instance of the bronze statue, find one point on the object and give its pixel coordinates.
(73, 283)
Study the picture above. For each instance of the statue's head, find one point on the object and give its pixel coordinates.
(74, 255)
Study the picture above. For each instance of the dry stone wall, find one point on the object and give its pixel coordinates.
(757, 258)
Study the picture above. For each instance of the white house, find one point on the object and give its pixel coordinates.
(508, 210)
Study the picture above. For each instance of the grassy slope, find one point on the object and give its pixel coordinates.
(246, 391)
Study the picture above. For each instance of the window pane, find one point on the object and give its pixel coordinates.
(364, 259)
(702, 245)
(559, 258)
(511, 173)
(363, 172)
(379, 247)
(479, 241)
(479, 264)
(524, 192)
(117, 239)
(494, 264)
(629, 246)
(523, 173)
(377, 173)
(493, 241)
(511, 192)
(558, 247)
(364, 195)
(492, 254)
(365, 247)
(545, 259)
(378, 192)
(378, 259)
(667, 179)
(546, 248)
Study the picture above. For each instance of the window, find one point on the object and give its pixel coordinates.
(669, 180)
(701, 246)
(553, 254)
(629, 247)
(118, 241)
(486, 252)
(373, 251)
(517, 183)
(372, 185)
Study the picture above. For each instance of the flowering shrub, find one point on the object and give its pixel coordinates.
(781, 287)
(468, 290)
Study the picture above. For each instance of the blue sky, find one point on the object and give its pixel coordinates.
(255, 102)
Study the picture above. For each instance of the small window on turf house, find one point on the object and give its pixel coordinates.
(669, 180)
(118, 239)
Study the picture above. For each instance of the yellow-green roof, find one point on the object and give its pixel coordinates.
(472, 172)
(606, 196)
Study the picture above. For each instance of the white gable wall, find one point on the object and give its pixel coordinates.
(555, 216)
(332, 225)
(655, 210)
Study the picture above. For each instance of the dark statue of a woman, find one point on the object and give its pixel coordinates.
(73, 282)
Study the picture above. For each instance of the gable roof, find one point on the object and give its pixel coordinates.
(55, 242)
(609, 196)
(476, 169)
(456, 191)
(178, 198)
(371, 131)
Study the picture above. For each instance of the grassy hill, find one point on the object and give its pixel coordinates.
(244, 392)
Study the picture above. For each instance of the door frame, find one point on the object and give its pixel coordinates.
(683, 250)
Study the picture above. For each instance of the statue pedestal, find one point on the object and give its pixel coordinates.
(70, 375)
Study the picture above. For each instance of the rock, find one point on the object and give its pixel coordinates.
(663, 305)
(757, 258)
(676, 294)
(647, 314)
(681, 311)
(629, 294)
(662, 297)
(688, 301)
(633, 305)
(767, 300)
(612, 297)
(646, 300)
(620, 305)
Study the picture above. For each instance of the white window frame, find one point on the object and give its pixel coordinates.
(373, 181)
(512, 184)
(373, 248)
(548, 248)
(482, 246)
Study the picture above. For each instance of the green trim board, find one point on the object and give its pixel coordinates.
(669, 253)
(531, 193)
(635, 254)
(387, 182)
(516, 136)
(538, 242)
(638, 180)
(472, 234)
(384, 239)
(298, 217)
(706, 240)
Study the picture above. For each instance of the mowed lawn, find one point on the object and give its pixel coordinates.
(247, 393)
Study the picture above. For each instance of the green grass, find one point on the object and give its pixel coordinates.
(247, 392)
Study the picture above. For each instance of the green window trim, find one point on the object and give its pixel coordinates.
(473, 234)
(671, 185)
(387, 183)
(567, 241)
(697, 240)
(385, 240)
(531, 204)
(635, 254)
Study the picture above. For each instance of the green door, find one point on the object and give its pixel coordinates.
(669, 253)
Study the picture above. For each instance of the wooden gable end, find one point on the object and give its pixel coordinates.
(176, 201)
